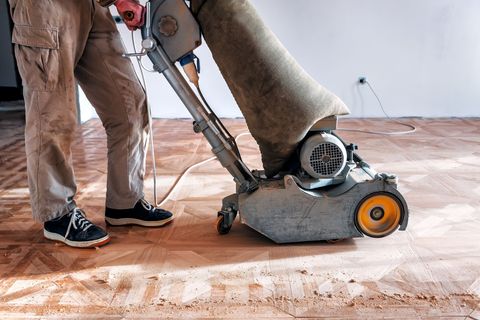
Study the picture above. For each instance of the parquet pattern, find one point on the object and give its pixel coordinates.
(186, 270)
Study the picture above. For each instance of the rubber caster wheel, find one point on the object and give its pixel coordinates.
(221, 227)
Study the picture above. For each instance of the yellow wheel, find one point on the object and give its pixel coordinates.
(378, 215)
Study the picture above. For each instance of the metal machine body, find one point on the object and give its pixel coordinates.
(286, 213)
(332, 194)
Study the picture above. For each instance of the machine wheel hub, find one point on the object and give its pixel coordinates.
(377, 213)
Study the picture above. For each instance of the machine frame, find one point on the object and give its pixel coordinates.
(283, 209)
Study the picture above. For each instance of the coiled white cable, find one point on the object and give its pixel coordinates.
(394, 133)
(150, 125)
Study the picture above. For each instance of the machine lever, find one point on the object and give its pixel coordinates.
(133, 54)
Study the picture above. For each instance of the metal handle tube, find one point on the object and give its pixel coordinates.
(220, 147)
(148, 22)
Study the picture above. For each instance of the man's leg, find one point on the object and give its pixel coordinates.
(45, 51)
(48, 36)
(111, 85)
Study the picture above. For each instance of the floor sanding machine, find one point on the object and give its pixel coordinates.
(323, 191)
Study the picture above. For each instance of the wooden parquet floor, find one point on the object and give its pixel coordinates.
(186, 270)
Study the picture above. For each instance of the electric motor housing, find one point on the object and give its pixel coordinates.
(323, 156)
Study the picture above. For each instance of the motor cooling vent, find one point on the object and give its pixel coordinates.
(323, 156)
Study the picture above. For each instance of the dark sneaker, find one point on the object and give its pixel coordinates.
(143, 214)
(75, 230)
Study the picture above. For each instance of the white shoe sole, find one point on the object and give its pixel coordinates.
(76, 244)
(138, 222)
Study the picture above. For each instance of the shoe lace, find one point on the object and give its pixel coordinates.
(78, 220)
(146, 205)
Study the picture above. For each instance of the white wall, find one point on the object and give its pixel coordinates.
(421, 56)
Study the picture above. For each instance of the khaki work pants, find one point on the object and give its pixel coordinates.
(58, 42)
